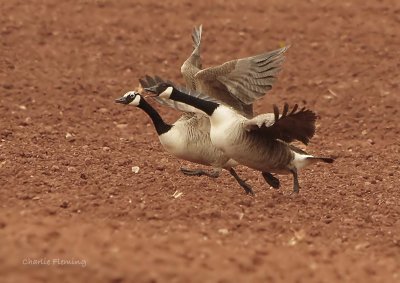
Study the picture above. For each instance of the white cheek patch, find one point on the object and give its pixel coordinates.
(128, 93)
(166, 93)
(135, 101)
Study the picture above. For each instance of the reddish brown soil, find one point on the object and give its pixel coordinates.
(63, 64)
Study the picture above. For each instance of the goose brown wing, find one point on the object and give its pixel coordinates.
(245, 79)
(193, 64)
(149, 81)
(288, 126)
(196, 37)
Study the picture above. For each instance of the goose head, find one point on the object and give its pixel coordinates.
(131, 98)
(162, 89)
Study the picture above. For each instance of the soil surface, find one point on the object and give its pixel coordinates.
(73, 210)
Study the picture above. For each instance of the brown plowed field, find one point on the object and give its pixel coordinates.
(71, 201)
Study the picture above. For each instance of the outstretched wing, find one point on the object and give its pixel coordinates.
(288, 126)
(196, 37)
(193, 64)
(150, 81)
(245, 79)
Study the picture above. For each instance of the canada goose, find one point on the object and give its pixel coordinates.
(198, 125)
(261, 143)
(188, 139)
(236, 83)
(191, 118)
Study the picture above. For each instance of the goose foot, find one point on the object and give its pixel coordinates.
(296, 186)
(271, 180)
(247, 188)
(199, 172)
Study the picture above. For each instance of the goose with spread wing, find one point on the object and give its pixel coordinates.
(237, 83)
(261, 143)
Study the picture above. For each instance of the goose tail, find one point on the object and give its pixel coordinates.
(302, 159)
(322, 159)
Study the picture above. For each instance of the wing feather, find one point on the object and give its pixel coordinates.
(245, 79)
(143, 83)
(193, 64)
(297, 125)
(285, 109)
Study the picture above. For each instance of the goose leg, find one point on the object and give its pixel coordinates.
(241, 182)
(296, 185)
(271, 180)
(199, 172)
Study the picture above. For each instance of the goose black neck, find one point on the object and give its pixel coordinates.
(206, 106)
(158, 122)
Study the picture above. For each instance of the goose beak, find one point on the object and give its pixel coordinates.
(152, 90)
(121, 100)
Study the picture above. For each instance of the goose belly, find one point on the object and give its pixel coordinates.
(192, 145)
(252, 151)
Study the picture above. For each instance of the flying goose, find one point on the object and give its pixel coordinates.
(237, 83)
(187, 139)
(192, 119)
(261, 143)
